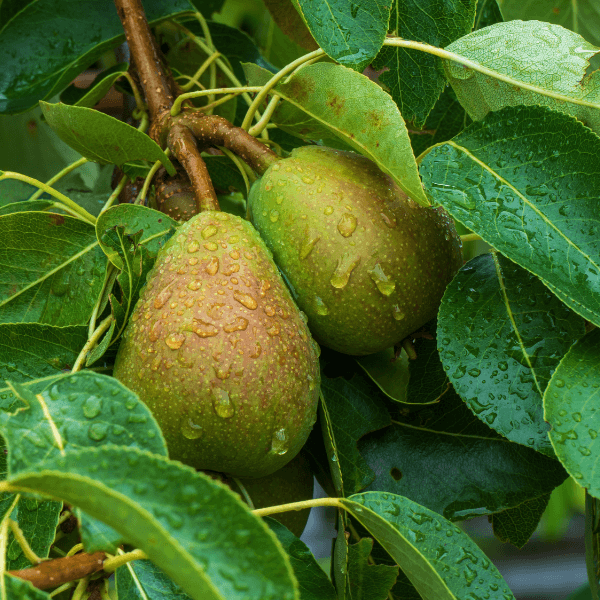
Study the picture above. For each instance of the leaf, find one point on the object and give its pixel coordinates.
(571, 402)
(290, 22)
(193, 528)
(516, 525)
(102, 138)
(368, 582)
(29, 206)
(350, 32)
(141, 580)
(440, 560)
(38, 521)
(353, 412)
(224, 174)
(14, 588)
(156, 228)
(488, 13)
(98, 352)
(501, 334)
(38, 65)
(527, 180)
(312, 582)
(81, 410)
(417, 457)
(388, 373)
(361, 114)
(556, 62)
(414, 78)
(582, 17)
(47, 259)
(91, 95)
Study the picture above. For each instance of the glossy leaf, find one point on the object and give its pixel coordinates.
(102, 138)
(14, 588)
(441, 561)
(368, 580)
(141, 580)
(52, 269)
(488, 13)
(414, 78)
(358, 112)
(417, 457)
(155, 227)
(582, 17)
(556, 62)
(571, 403)
(37, 66)
(193, 528)
(91, 95)
(30, 206)
(353, 412)
(313, 584)
(516, 525)
(389, 374)
(527, 180)
(350, 32)
(501, 334)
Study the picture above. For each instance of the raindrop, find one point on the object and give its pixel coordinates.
(175, 341)
(576, 417)
(503, 366)
(308, 244)
(189, 429)
(559, 383)
(203, 329)
(328, 210)
(280, 442)
(347, 224)
(320, 306)
(193, 247)
(213, 266)
(222, 403)
(92, 407)
(98, 431)
(208, 232)
(584, 450)
(274, 216)
(384, 285)
(245, 299)
(344, 268)
(397, 313)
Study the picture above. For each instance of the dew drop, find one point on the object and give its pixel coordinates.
(397, 313)
(213, 266)
(98, 431)
(274, 216)
(239, 324)
(320, 306)
(245, 299)
(212, 246)
(389, 221)
(576, 417)
(162, 298)
(328, 210)
(92, 407)
(308, 244)
(279, 442)
(222, 403)
(584, 451)
(343, 270)
(382, 281)
(274, 329)
(208, 232)
(203, 329)
(347, 224)
(189, 429)
(503, 366)
(559, 383)
(193, 247)
(175, 341)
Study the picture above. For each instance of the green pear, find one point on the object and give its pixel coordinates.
(292, 483)
(220, 353)
(366, 263)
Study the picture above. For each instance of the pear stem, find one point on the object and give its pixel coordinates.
(272, 510)
(470, 237)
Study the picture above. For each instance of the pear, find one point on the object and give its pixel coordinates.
(366, 263)
(292, 483)
(220, 353)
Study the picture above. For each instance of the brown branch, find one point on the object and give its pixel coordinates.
(182, 143)
(217, 131)
(52, 573)
(146, 57)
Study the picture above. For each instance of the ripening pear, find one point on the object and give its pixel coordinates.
(366, 263)
(220, 353)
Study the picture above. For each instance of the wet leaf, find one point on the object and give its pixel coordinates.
(414, 78)
(571, 403)
(441, 561)
(368, 581)
(193, 528)
(354, 110)
(350, 32)
(102, 138)
(91, 95)
(531, 52)
(390, 374)
(14, 588)
(516, 525)
(527, 180)
(30, 206)
(501, 334)
(141, 580)
(37, 66)
(52, 269)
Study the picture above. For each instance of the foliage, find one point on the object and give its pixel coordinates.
(497, 408)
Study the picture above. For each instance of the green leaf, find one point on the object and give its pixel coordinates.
(556, 62)
(224, 174)
(52, 269)
(441, 561)
(193, 528)
(81, 410)
(368, 582)
(312, 582)
(14, 588)
(91, 95)
(414, 78)
(98, 352)
(361, 114)
(488, 13)
(495, 343)
(46, 45)
(582, 17)
(156, 228)
(30, 206)
(417, 457)
(570, 405)
(102, 138)
(350, 32)
(388, 373)
(516, 525)
(527, 180)
(38, 521)
(353, 411)
(141, 580)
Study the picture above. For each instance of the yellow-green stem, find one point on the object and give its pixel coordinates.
(155, 167)
(20, 538)
(196, 77)
(75, 208)
(234, 90)
(139, 101)
(80, 589)
(112, 564)
(272, 510)
(62, 588)
(92, 341)
(258, 128)
(60, 175)
(243, 168)
(115, 193)
(470, 237)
